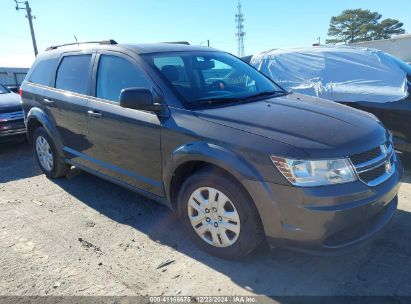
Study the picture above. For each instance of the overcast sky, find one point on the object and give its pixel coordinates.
(269, 23)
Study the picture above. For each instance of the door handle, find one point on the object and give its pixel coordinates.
(94, 114)
(48, 102)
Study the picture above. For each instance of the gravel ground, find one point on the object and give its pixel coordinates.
(84, 236)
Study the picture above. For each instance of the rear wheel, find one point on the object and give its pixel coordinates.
(219, 216)
(46, 153)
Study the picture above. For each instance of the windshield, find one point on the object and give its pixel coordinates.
(205, 77)
(3, 89)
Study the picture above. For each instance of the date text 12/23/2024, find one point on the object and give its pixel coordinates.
(205, 299)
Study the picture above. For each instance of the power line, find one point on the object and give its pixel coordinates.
(30, 17)
(21, 37)
(239, 20)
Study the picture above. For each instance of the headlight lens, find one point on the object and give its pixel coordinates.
(311, 173)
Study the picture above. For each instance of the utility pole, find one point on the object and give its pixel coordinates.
(30, 17)
(205, 41)
(317, 43)
(239, 20)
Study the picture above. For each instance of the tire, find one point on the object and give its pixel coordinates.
(231, 199)
(44, 145)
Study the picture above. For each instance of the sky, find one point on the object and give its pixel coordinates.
(268, 23)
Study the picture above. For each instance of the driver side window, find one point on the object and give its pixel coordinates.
(115, 74)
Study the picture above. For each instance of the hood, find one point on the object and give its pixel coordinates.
(320, 128)
(10, 102)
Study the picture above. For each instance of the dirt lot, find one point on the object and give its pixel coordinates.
(84, 236)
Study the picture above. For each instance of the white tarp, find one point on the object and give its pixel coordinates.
(341, 74)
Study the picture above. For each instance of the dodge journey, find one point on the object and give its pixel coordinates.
(242, 161)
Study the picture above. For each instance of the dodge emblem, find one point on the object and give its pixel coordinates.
(388, 167)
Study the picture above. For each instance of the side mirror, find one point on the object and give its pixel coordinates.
(139, 99)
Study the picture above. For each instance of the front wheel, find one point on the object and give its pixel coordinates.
(219, 216)
(46, 153)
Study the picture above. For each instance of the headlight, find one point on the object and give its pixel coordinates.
(311, 173)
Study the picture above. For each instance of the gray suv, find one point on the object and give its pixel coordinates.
(241, 160)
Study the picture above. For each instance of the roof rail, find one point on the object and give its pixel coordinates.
(53, 47)
(177, 42)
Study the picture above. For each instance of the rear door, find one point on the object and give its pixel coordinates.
(126, 142)
(68, 102)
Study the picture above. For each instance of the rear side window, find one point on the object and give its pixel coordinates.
(43, 71)
(116, 74)
(73, 74)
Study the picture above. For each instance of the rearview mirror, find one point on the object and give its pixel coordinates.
(203, 64)
(139, 99)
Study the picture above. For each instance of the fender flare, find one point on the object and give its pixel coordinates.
(213, 154)
(38, 115)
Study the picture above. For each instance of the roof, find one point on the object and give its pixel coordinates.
(13, 70)
(395, 37)
(141, 48)
(145, 48)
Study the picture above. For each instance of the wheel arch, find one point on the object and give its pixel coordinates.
(36, 117)
(189, 158)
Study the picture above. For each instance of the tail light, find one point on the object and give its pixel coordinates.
(21, 92)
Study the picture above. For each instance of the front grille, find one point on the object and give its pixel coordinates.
(360, 158)
(4, 117)
(376, 165)
(369, 176)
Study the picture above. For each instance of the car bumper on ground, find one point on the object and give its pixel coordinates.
(326, 220)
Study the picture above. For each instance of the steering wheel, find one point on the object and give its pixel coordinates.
(218, 85)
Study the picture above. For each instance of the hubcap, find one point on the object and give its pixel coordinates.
(44, 153)
(214, 217)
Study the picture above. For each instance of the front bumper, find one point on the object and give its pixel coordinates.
(12, 128)
(325, 220)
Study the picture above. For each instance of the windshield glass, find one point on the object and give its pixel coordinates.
(3, 90)
(211, 77)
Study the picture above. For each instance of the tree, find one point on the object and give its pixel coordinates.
(353, 25)
(387, 28)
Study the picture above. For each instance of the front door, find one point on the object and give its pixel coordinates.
(126, 142)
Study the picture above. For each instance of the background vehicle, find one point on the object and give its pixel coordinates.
(11, 115)
(240, 159)
(366, 79)
(12, 77)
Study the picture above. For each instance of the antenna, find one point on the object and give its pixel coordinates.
(239, 20)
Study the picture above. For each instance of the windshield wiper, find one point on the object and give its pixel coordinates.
(223, 100)
(214, 100)
(264, 94)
